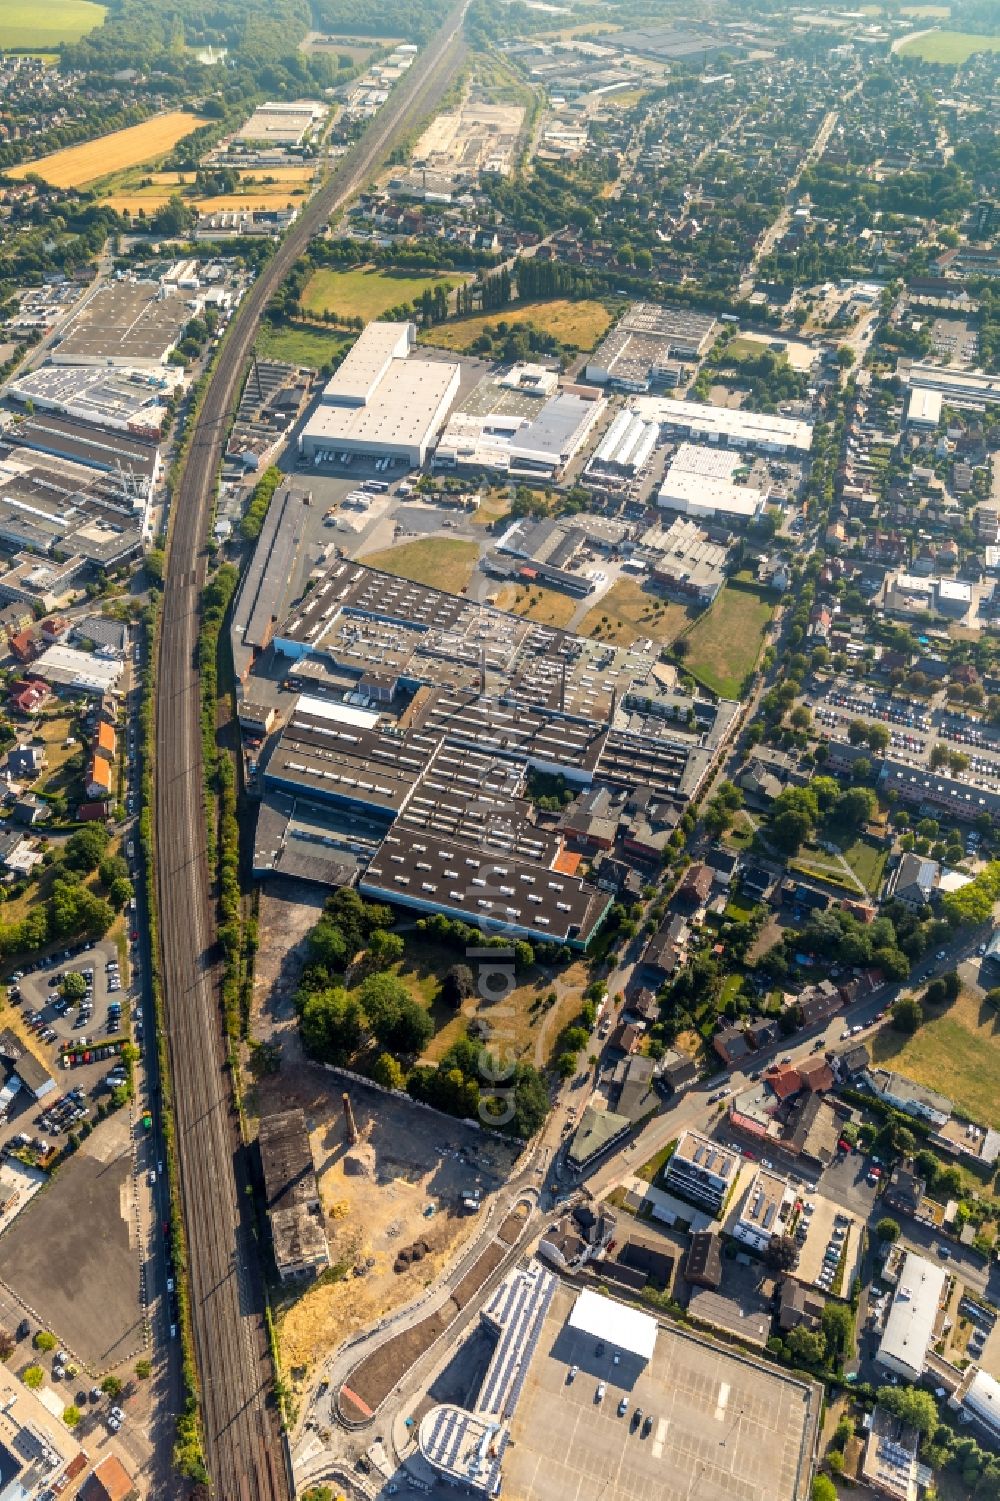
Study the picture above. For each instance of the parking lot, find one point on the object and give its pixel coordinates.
(845, 1182)
(830, 1231)
(86, 1029)
(722, 1429)
(74, 1254)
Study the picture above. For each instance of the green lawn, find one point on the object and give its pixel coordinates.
(956, 1052)
(443, 562)
(867, 862)
(298, 345)
(725, 642)
(364, 292)
(949, 46)
(45, 23)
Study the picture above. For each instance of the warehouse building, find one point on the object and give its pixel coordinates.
(699, 495)
(78, 671)
(969, 390)
(645, 347)
(130, 324)
(380, 403)
(538, 445)
(727, 426)
(912, 1319)
(131, 400)
(923, 410)
(626, 446)
(133, 459)
(285, 123)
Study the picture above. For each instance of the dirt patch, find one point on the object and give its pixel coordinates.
(368, 1385)
(289, 910)
(401, 1185)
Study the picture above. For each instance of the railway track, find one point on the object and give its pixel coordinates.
(243, 1445)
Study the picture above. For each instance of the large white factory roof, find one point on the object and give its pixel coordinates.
(354, 383)
(622, 1327)
(727, 424)
(700, 458)
(910, 1325)
(703, 495)
(401, 409)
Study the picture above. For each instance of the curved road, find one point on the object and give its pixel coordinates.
(244, 1451)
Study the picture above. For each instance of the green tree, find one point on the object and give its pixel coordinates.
(111, 1386)
(45, 1340)
(7, 1344)
(332, 1025)
(907, 1014)
(806, 1345)
(457, 986)
(915, 1407)
(838, 1332)
(33, 1376)
(388, 1072)
(73, 986)
(384, 949)
(85, 849)
(144, 1369)
(823, 1489)
(887, 1229)
(71, 1415)
(566, 1065)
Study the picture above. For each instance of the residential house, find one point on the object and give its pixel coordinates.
(23, 646)
(756, 882)
(800, 1307)
(577, 1238)
(853, 1061)
(26, 761)
(677, 1069)
(18, 855)
(100, 778)
(667, 947)
(817, 1003)
(731, 1045)
(908, 1096)
(591, 820)
(765, 1210)
(626, 1038)
(762, 1033)
(643, 1007)
(802, 898)
(724, 865)
(632, 1092)
(703, 1266)
(694, 890)
(30, 696)
(914, 881)
(905, 1190)
(29, 810)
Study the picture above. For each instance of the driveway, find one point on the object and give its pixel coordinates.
(845, 1182)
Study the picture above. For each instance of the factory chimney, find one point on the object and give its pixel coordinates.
(352, 1129)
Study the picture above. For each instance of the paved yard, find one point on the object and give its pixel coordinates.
(724, 1428)
(72, 1255)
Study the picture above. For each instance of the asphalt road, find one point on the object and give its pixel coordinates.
(243, 1448)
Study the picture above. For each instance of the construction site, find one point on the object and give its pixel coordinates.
(402, 1191)
(475, 138)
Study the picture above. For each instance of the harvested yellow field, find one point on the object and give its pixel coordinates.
(79, 165)
(148, 200)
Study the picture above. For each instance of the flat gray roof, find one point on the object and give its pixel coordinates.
(725, 1427)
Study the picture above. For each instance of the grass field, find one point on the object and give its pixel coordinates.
(948, 46)
(299, 346)
(443, 562)
(91, 160)
(42, 24)
(577, 324)
(956, 1052)
(148, 200)
(364, 293)
(726, 640)
(628, 612)
(547, 606)
(261, 176)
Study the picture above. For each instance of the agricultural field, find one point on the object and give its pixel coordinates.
(948, 46)
(365, 292)
(724, 643)
(579, 325)
(77, 166)
(547, 606)
(628, 612)
(309, 347)
(443, 562)
(957, 1051)
(43, 24)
